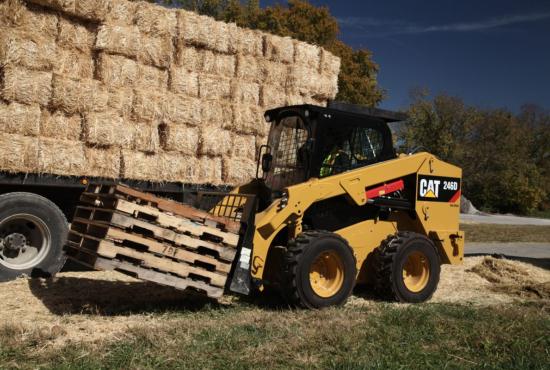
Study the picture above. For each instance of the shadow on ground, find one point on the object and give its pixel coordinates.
(537, 262)
(71, 295)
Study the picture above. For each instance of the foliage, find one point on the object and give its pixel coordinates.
(301, 20)
(504, 157)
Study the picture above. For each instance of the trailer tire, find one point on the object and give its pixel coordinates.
(319, 270)
(33, 231)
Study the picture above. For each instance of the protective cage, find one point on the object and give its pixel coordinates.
(236, 207)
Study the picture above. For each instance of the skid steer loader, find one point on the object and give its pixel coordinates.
(333, 206)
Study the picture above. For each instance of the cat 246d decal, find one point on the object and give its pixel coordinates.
(438, 189)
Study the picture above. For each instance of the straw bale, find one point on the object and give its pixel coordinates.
(214, 141)
(217, 113)
(75, 35)
(145, 137)
(250, 42)
(279, 49)
(104, 162)
(26, 86)
(203, 31)
(211, 87)
(107, 129)
(210, 170)
(303, 79)
(181, 109)
(189, 58)
(272, 97)
(117, 70)
(307, 55)
(156, 51)
(175, 167)
(78, 96)
(245, 92)
(68, 6)
(58, 125)
(123, 40)
(155, 20)
(148, 105)
(141, 166)
(21, 119)
(244, 146)
(121, 100)
(274, 73)
(238, 170)
(120, 12)
(249, 69)
(26, 49)
(15, 15)
(249, 119)
(294, 98)
(61, 157)
(152, 77)
(218, 64)
(18, 153)
(180, 138)
(73, 64)
(94, 10)
(330, 64)
(184, 82)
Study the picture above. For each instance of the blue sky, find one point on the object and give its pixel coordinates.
(492, 53)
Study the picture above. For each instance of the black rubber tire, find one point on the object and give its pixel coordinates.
(54, 220)
(301, 253)
(388, 263)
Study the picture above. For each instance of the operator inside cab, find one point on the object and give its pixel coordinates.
(349, 148)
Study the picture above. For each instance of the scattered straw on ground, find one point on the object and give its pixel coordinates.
(95, 307)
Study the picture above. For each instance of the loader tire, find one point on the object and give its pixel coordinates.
(319, 270)
(407, 268)
(33, 231)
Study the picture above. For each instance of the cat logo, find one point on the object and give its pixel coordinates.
(429, 188)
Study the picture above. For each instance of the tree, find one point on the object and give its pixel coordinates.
(494, 148)
(303, 21)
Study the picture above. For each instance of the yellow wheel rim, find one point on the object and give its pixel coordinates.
(416, 272)
(326, 274)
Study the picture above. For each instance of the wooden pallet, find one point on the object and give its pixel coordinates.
(93, 261)
(124, 230)
(100, 195)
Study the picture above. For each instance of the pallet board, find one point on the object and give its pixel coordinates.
(115, 227)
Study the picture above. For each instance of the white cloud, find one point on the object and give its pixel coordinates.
(396, 27)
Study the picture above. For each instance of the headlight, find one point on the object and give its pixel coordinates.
(283, 202)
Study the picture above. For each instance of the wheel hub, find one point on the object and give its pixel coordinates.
(15, 242)
(326, 274)
(416, 272)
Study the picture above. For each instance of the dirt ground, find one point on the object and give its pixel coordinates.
(100, 306)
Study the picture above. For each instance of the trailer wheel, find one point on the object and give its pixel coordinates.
(33, 231)
(406, 268)
(319, 270)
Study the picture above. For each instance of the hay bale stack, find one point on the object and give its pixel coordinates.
(116, 88)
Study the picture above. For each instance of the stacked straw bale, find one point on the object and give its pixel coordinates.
(132, 90)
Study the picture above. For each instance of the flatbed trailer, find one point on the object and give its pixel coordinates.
(36, 209)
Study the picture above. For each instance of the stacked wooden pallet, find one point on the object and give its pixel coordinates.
(153, 239)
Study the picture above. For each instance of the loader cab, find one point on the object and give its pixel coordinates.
(309, 141)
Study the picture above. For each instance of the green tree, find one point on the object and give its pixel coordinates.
(493, 147)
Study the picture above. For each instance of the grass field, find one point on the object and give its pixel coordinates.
(506, 233)
(245, 336)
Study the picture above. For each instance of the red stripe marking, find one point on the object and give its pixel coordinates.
(385, 189)
(455, 197)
